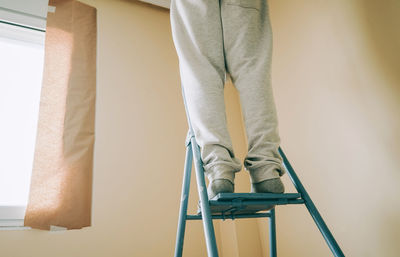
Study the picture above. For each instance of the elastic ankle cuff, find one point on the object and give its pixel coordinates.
(220, 174)
(263, 173)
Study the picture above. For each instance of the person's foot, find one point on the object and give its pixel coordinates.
(274, 185)
(217, 186)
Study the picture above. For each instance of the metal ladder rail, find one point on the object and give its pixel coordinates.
(319, 221)
(206, 217)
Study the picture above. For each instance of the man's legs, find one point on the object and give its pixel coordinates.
(248, 50)
(197, 34)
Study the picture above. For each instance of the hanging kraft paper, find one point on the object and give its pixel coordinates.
(61, 183)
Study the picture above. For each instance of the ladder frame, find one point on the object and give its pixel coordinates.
(193, 154)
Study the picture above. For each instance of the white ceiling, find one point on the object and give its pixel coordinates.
(162, 3)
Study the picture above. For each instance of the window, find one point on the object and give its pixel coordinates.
(21, 66)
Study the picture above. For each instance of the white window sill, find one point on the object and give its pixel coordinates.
(13, 224)
(18, 224)
(12, 218)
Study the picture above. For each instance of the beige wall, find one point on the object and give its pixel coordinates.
(336, 85)
(139, 149)
(336, 75)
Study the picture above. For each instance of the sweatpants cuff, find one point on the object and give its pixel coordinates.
(265, 173)
(220, 173)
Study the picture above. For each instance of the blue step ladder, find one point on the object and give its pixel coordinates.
(239, 205)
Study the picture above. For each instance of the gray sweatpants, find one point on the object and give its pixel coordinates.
(212, 38)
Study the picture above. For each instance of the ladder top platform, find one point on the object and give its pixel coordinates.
(254, 196)
(249, 203)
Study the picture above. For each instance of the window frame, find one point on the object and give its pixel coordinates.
(31, 13)
(12, 216)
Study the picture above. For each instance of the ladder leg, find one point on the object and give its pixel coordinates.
(180, 235)
(330, 240)
(205, 206)
(272, 234)
(201, 187)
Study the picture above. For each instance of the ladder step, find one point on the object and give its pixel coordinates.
(236, 216)
(228, 204)
(254, 196)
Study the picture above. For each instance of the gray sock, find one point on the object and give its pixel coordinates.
(274, 185)
(217, 186)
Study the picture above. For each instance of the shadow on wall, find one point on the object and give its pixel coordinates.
(381, 26)
(389, 240)
(382, 23)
